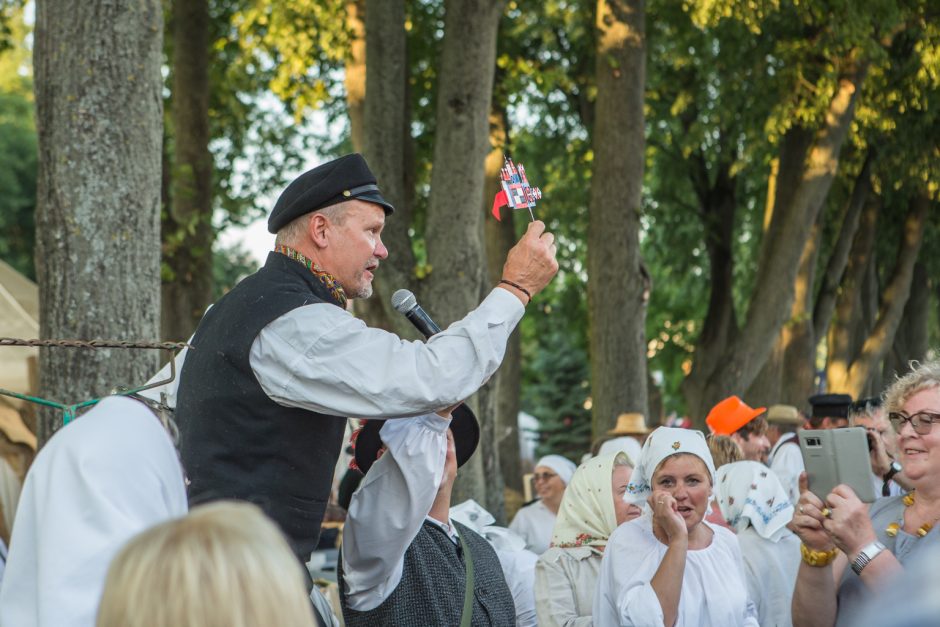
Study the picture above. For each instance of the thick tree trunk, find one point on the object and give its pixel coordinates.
(791, 217)
(355, 79)
(618, 285)
(386, 141)
(500, 237)
(99, 114)
(911, 340)
(839, 258)
(855, 378)
(842, 345)
(454, 233)
(187, 222)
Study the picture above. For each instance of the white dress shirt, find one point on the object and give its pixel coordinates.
(786, 461)
(321, 358)
(391, 504)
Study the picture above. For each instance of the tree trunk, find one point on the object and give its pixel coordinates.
(839, 258)
(618, 285)
(500, 237)
(386, 144)
(99, 113)
(791, 217)
(454, 233)
(856, 377)
(911, 340)
(187, 232)
(355, 79)
(842, 346)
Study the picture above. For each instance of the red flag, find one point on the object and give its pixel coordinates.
(498, 202)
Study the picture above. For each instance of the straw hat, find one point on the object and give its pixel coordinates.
(629, 424)
(784, 415)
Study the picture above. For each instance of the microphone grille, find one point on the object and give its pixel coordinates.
(403, 301)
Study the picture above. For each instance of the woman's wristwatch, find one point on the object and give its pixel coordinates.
(866, 555)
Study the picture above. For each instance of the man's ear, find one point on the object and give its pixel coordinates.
(317, 228)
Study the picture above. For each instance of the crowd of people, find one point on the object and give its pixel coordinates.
(208, 515)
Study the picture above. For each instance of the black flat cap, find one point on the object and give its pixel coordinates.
(865, 404)
(345, 178)
(830, 405)
(463, 423)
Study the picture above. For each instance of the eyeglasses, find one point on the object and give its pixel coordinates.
(921, 422)
(543, 476)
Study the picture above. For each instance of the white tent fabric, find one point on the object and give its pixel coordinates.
(19, 318)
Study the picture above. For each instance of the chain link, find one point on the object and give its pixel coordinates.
(12, 341)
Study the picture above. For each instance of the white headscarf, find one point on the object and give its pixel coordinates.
(564, 467)
(471, 514)
(586, 516)
(662, 443)
(626, 444)
(749, 493)
(103, 478)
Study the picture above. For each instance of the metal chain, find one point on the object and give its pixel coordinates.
(12, 341)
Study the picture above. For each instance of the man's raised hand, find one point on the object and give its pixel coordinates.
(531, 263)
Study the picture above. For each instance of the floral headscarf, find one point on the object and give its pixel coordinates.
(749, 494)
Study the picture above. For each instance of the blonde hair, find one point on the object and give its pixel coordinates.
(923, 377)
(223, 565)
(724, 450)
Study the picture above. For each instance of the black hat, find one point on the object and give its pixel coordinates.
(463, 423)
(865, 404)
(345, 178)
(830, 405)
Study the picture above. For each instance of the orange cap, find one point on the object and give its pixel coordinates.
(730, 415)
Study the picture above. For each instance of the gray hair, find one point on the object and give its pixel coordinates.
(622, 459)
(924, 376)
(293, 231)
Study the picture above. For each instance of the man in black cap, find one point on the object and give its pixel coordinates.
(830, 411)
(404, 562)
(278, 362)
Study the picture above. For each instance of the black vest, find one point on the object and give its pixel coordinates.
(235, 442)
(432, 585)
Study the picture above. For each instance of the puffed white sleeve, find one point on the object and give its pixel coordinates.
(391, 504)
(321, 358)
(625, 597)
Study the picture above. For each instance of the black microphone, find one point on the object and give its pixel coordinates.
(405, 303)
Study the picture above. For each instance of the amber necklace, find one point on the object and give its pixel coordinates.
(893, 528)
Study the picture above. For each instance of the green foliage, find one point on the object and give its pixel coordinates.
(557, 392)
(230, 265)
(18, 148)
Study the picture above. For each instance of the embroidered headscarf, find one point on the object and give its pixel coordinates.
(749, 493)
(586, 516)
(562, 466)
(99, 480)
(662, 443)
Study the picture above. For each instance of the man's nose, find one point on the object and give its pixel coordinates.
(380, 250)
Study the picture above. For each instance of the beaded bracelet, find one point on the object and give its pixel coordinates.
(518, 287)
(817, 559)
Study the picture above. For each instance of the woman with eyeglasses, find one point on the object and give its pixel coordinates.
(535, 521)
(849, 551)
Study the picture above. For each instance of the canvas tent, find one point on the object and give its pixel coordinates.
(19, 318)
